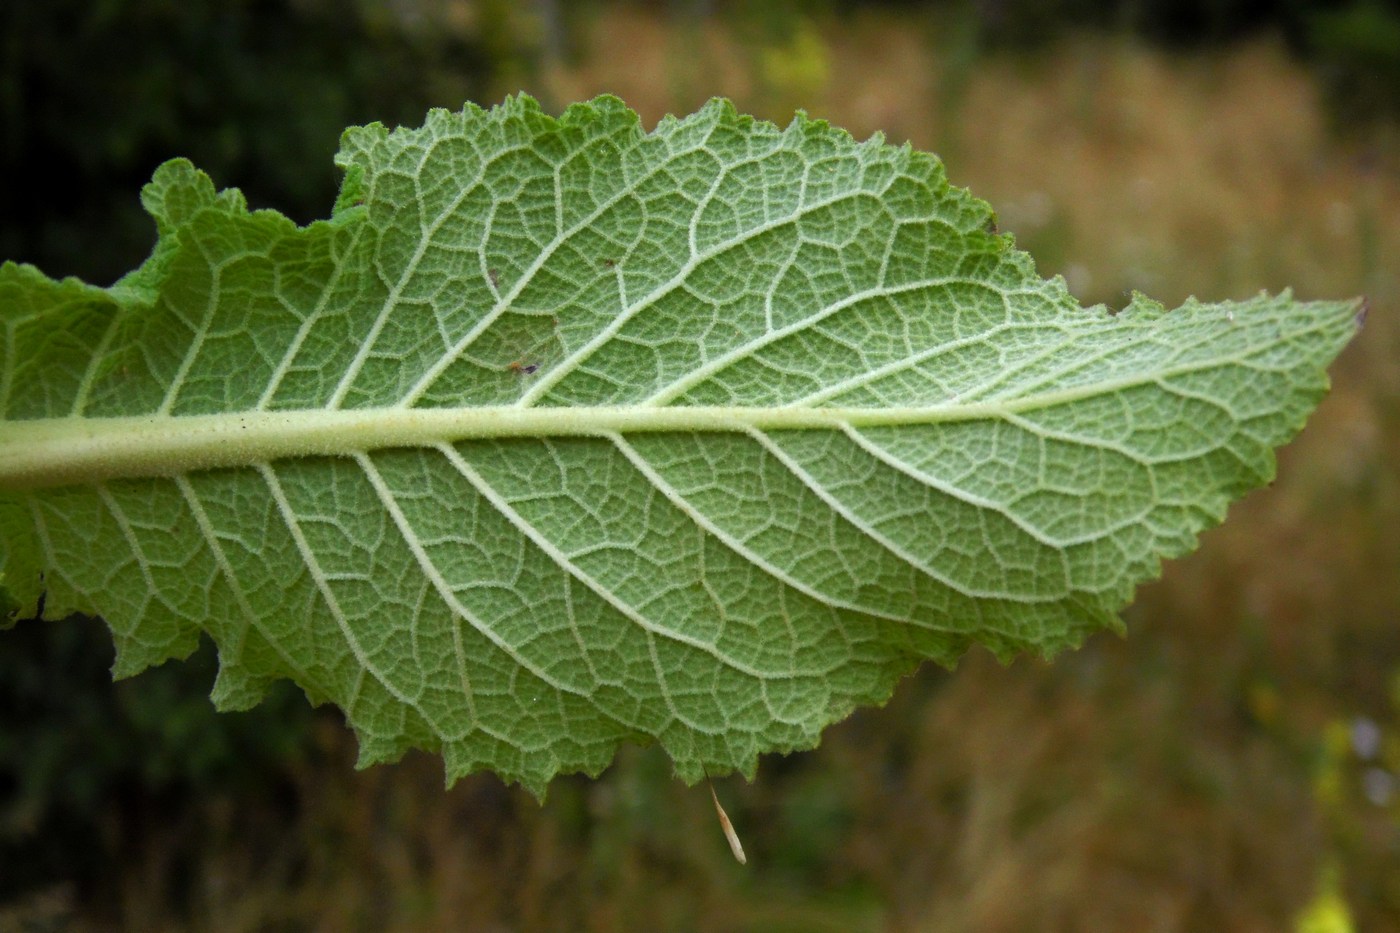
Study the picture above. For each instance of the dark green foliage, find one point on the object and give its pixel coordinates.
(94, 95)
(1358, 54)
(1183, 23)
(1353, 46)
(81, 758)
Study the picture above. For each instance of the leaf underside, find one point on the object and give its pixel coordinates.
(735, 425)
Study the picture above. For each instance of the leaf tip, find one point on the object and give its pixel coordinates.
(1363, 310)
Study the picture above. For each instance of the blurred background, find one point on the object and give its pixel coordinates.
(1233, 764)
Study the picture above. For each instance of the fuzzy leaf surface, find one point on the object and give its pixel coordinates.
(560, 434)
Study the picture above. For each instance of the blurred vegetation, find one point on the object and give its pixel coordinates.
(93, 95)
(1234, 764)
(1357, 51)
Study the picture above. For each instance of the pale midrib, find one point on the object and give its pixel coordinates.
(69, 451)
(45, 453)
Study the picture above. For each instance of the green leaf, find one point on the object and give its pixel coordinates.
(559, 434)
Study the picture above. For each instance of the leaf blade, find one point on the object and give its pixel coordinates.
(559, 434)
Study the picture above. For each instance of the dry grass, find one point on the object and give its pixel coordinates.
(1165, 782)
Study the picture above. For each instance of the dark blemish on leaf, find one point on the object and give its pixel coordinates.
(495, 278)
(523, 369)
(1362, 312)
(608, 263)
(991, 226)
